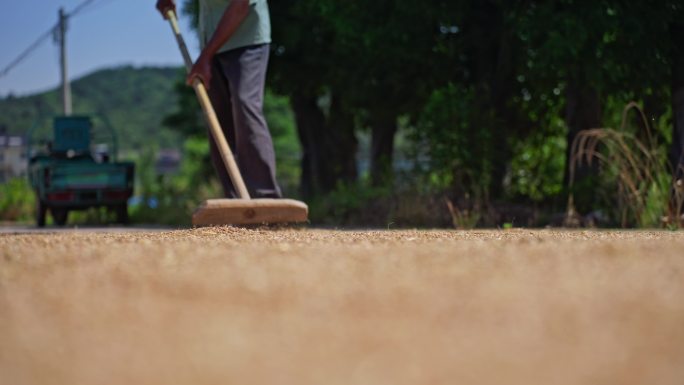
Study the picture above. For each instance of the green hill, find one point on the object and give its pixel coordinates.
(135, 100)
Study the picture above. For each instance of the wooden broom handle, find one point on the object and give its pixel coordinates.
(210, 114)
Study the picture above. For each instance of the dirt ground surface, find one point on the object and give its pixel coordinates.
(236, 306)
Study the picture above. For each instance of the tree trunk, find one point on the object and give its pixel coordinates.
(384, 129)
(677, 153)
(341, 145)
(492, 53)
(505, 125)
(310, 120)
(328, 145)
(583, 112)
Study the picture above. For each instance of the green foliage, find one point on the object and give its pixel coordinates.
(135, 100)
(190, 8)
(288, 151)
(171, 199)
(186, 119)
(17, 201)
(351, 203)
(492, 91)
(536, 171)
(488, 93)
(384, 206)
(455, 141)
(195, 170)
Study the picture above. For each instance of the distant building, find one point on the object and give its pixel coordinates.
(168, 162)
(13, 162)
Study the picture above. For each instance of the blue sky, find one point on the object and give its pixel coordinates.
(106, 33)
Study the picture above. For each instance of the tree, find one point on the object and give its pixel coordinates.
(302, 68)
(477, 80)
(677, 152)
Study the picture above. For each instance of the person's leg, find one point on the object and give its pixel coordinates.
(245, 69)
(219, 94)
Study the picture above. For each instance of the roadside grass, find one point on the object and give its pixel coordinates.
(636, 165)
(17, 201)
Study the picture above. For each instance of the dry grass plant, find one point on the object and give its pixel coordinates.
(638, 166)
(677, 203)
(463, 219)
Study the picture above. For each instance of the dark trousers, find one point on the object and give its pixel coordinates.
(237, 94)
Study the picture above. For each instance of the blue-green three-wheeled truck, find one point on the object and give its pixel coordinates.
(68, 174)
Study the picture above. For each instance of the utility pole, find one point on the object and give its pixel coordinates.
(61, 39)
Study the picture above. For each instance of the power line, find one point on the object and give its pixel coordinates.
(99, 4)
(80, 7)
(42, 38)
(28, 51)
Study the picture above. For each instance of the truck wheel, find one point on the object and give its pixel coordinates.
(60, 215)
(121, 213)
(41, 213)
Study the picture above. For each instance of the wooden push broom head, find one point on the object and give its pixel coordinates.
(217, 212)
